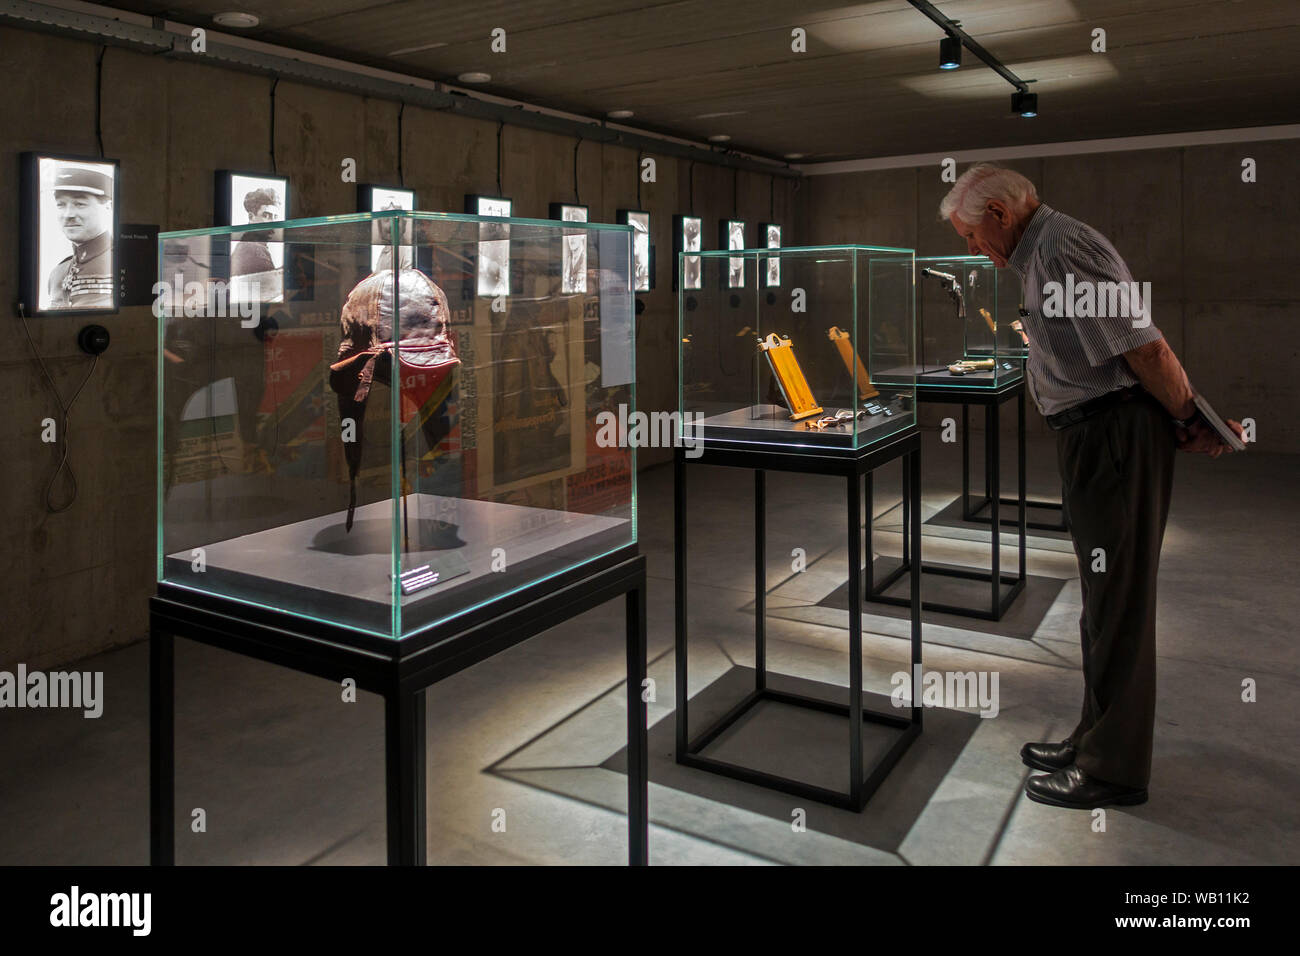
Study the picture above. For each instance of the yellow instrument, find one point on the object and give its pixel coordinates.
(794, 387)
(852, 361)
(988, 319)
(971, 365)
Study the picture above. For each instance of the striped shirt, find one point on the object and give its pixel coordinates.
(1076, 348)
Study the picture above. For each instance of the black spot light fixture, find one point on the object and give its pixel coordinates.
(1023, 102)
(949, 52)
(1026, 104)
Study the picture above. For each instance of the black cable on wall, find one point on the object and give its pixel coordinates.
(577, 199)
(401, 146)
(274, 84)
(501, 125)
(99, 99)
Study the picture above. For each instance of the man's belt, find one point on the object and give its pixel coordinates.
(1076, 414)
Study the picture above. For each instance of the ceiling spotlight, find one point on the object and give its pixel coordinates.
(795, 155)
(719, 138)
(474, 77)
(241, 21)
(1026, 104)
(949, 53)
(620, 114)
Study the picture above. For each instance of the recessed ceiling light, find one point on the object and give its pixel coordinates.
(236, 19)
(620, 114)
(719, 138)
(475, 77)
(720, 115)
(795, 155)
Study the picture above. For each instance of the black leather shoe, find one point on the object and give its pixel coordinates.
(1075, 790)
(1049, 757)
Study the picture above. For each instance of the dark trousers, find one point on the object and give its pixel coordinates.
(1117, 472)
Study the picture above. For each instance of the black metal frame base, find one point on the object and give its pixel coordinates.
(854, 466)
(974, 511)
(1000, 598)
(693, 757)
(976, 514)
(400, 671)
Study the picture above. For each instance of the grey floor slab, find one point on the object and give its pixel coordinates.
(286, 772)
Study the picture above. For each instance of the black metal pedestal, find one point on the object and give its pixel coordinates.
(976, 511)
(399, 670)
(853, 466)
(999, 600)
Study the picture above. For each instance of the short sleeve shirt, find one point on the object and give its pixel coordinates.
(1084, 311)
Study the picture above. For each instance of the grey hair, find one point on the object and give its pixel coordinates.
(970, 195)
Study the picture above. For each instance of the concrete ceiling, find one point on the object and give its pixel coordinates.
(868, 84)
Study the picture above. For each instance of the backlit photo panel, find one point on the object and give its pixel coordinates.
(573, 254)
(256, 255)
(494, 245)
(733, 237)
(373, 198)
(688, 238)
(69, 234)
(771, 236)
(642, 267)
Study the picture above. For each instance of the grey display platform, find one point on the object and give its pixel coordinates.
(939, 375)
(767, 423)
(317, 567)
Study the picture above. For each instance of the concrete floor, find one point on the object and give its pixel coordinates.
(287, 773)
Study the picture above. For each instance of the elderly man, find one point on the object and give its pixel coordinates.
(1119, 401)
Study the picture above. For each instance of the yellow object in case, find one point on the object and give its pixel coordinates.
(852, 361)
(794, 387)
(971, 365)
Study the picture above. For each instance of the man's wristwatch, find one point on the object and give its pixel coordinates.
(1186, 423)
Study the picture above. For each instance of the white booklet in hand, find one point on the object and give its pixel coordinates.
(1226, 434)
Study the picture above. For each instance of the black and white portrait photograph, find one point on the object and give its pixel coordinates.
(573, 254)
(382, 199)
(75, 231)
(640, 223)
(494, 244)
(772, 240)
(256, 255)
(736, 264)
(692, 227)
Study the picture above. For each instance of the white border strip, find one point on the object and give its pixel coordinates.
(1248, 134)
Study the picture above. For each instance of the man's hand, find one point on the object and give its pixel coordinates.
(1200, 438)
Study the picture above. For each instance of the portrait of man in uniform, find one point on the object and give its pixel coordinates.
(81, 206)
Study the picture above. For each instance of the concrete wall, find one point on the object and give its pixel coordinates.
(1220, 254)
(78, 582)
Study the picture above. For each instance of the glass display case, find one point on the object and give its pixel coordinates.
(398, 420)
(1010, 314)
(966, 335)
(797, 347)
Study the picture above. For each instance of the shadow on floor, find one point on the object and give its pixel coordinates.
(791, 741)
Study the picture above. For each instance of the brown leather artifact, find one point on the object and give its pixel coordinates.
(426, 355)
